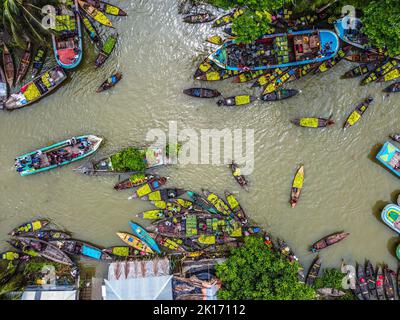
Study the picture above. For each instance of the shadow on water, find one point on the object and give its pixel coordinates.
(392, 245)
(377, 209)
(374, 151)
(395, 195)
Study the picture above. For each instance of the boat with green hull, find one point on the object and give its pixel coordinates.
(57, 155)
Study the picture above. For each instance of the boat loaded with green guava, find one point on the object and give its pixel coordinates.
(106, 50)
(57, 154)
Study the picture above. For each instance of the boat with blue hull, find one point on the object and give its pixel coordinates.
(143, 235)
(278, 51)
(57, 154)
(391, 216)
(389, 156)
(348, 30)
(67, 41)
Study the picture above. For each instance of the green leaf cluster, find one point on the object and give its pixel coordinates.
(256, 272)
(129, 159)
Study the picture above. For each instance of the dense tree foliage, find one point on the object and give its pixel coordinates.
(332, 278)
(255, 271)
(129, 159)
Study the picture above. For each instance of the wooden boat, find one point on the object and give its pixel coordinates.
(364, 57)
(143, 235)
(107, 8)
(240, 179)
(279, 94)
(380, 71)
(357, 291)
(24, 63)
(10, 256)
(328, 64)
(153, 157)
(25, 249)
(8, 64)
(56, 155)
(309, 46)
(331, 292)
(279, 82)
(235, 207)
(134, 242)
(170, 208)
(36, 89)
(227, 18)
(390, 76)
(286, 250)
(110, 82)
(205, 66)
(134, 181)
(149, 187)
(184, 203)
(328, 241)
(360, 70)
(124, 252)
(163, 194)
(198, 200)
(391, 216)
(388, 284)
(349, 31)
(389, 156)
(172, 244)
(67, 40)
(30, 226)
(395, 87)
(248, 76)
(106, 50)
(202, 92)
(91, 30)
(194, 225)
(304, 70)
(217, 202)
(313, 272)
(313, 122)
(157, 214)
(94, 13)
(370, 276)
(356, 115)
(199, 18)
(46, 250)
(83, 249)
(297, 185)
(3, 88)
(48, 235)
(215, 40)
(240, 100)
(267, 77)
(362, 282)
(38, 61)
(217, 75)
(228, 31)
(380, 291)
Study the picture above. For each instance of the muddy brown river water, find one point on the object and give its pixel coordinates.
(157, 53)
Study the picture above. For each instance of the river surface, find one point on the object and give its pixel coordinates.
(157, 53)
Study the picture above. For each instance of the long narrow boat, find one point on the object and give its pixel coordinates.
(380, 291)
(24, 63)
(10, 256)
(278, 50)
(173, 244)
(38, 61)
(8, 64)
(199, 18)
(67, 41)
(30, 226)
(227, 18)
(163, 194)
(3, 88)
(240, 179)
(391, 216)
(91, 30)
(198, 200)
(218, 40)
(362, 282)
(149, 187)
(328, 241)
(370, 276)
(47, 250)
(389, 156)
(106, 50)
(286, 250)
(80, 248)
(36, 89)
(393, 74)
(126, 252)
(356, 115)
(217, 75)
(304, 70)
(107, 8)
(364, 57)
(56, 155)
(279, 94)
(110, 82)
(380, 71)
(314, 271)
(269, 77)
(202, 92)
(313, 122)
(329, 64)
(239, 100)
(156, 214)
(94, 13)
(388, 284)
(48, 235)
(235, 207)
(348, 30)
(248, 76)
(395, 87)
(360, 70)
(134, 242)
(169, 208)
(135, 180)
(297, 185)
(25, 249)
(279, 82)
(217, 202)
(143, 235)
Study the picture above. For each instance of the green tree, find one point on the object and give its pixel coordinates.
(129, 159)
(255, 271)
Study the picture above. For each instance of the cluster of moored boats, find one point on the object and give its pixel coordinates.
(67, 41)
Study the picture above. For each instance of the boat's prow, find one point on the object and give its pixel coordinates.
(96, 141)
